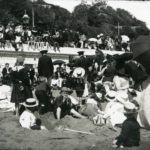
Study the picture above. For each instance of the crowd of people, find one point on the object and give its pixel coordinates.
(84, 84)
(14, 36)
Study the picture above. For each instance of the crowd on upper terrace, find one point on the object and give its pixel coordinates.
(17, 35)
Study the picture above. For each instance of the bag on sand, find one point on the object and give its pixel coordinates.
(98, 120)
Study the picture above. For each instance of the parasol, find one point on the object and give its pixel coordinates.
(58, 62)
(125, 38)
(92, 39)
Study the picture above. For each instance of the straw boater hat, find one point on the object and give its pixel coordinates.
(111, 96)
(30, 102)
(79, 72)
(130, 108)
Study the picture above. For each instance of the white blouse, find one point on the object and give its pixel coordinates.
(27, 119)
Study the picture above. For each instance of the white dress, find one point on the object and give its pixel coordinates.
(115, 110)
(5, 95)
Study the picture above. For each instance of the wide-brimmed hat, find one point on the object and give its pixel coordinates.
(121, 59)
(71, 65)
(121, 83)
(30, 102)
(66, 89)
(130, 108)
(79, 72)
(110, 96)
(135, 71)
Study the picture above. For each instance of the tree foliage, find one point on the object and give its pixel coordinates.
(89, 19)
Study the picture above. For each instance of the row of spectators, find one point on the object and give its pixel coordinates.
(18, 35)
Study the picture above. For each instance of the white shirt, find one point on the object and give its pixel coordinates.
(91, 101)
(54, 82)
(121, 83)
(27, 119)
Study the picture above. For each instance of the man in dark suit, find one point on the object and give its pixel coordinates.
(6, 74)
(45, 66)
(81, 61)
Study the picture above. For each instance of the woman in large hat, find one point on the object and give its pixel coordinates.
(141, 53)
(114, 108)
(21, 84)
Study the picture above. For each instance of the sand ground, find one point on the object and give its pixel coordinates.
(14, 137)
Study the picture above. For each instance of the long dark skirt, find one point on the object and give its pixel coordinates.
(18, 95)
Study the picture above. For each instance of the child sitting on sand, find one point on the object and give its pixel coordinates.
(27, 118)
(93, 109)
(130, 133)
(64, 106)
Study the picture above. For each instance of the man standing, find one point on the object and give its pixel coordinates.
(6, 74)
(45, 66)
(81, 61)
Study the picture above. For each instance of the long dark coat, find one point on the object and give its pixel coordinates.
(45, 66)
(21, 86)
(130, 133)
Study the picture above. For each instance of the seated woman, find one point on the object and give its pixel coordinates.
(63, 105)
(27, 118)
(92, 109)
(114, 110)
(107, 73)
(54, 82)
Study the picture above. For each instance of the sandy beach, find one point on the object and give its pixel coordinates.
(14, 137)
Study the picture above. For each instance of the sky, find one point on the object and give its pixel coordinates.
(139, 9)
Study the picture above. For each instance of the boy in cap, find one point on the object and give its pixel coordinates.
(130, 133)
(64, 106)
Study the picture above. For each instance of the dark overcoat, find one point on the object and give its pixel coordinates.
(45, 66)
